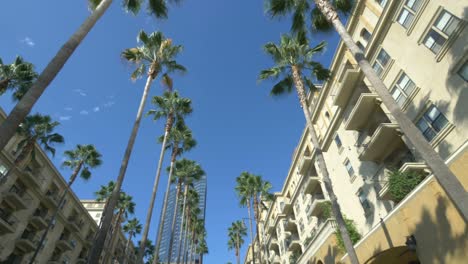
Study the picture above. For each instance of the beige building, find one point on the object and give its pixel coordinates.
(418, 48)
(28, 195)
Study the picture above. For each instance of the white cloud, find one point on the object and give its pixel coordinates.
(84, 112)
(96, 109)
(28, 41)
(80, 92)
(68, 108)
(64, 118)
(109, 104)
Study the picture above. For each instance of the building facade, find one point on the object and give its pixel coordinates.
(418, 49)
(29, 193)
(201, 187)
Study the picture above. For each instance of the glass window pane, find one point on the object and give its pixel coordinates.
(383, 57)
(422, 125)
(434, 41)
(463, 72)
(404, 79)
(452, 25)
(443, 20)
(403, 16)
(440, 123)
(432, 113)
(429, 134)
(378, 69)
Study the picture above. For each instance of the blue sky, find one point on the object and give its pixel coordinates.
(237, 124)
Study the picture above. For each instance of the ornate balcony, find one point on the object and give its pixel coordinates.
(304, 164)
(385, 140)
(33, 178)
(293, 243)
(18, 197)
(52, 198)
(362, 112)
(317, 199)
(39, 219)
(383, 185)
(64, 243)
(7, 222)
(323, 230)
(75, 224)
(27, 242)
(346, 86)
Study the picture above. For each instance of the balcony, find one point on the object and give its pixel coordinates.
(75, 224)
(317, 199)
(33, 178)
(362, 112)
(7, 222)
(274, 259)
(311, 184)
(27, 242)
(52, 198)
(346, 86)
(293, 243)
(39, 219)
(304, 164)
(382, 185)
(322, 232)
(89, 239)
(385, 140)
(287, 207)
(18, 198)
(290, 225)
(64, 244)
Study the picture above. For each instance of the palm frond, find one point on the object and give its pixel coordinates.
(158, 8)
(283, 86)
(132, 6)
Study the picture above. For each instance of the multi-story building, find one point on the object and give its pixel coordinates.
(201, 187)
(29, 193)
(418, 48)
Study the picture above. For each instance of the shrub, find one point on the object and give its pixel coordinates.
(353, 233)
(402, 183)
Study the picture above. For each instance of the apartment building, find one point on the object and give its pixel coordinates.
(29, 193)
(418, 48)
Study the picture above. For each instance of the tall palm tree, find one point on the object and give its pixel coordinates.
(173, 108)
(148, 251)
(157, 54)
(261, 189)
(158, 8)
(105, 191)
(185, 172)
(236, 233)
(198, 227)
(245, 192)
(17, 76)
(191, 210)
(179, 140)
(202, 248)
(293, 59)
(36, 128)
(325, 17)
(80, 160)
(132, 227)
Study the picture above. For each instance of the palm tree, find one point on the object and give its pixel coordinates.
(202, 248)
(191, 210)
(261, 189)
(132, 227)
(158, 55)
(245, 192)
(36, 129)
(105, 191)
(80, 160)
(198, 227)
(148, 251)
(158, 8)
(17, 76)
(180, 140)
(172, 107)
(236, 232)
(185, 172)
(324, 17)
(293, 58)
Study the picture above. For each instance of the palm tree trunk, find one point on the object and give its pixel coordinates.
(192, 242)
(256, 217)
(442, 173)
(110, 205)
(182, 223)
(186, 238)
(323, 167)
(237, 249)
(56, 211)
(164, 210)
(25, 152)
(149, 213)
(173, 224)
(251, 231)
(129, 241)
(24, 106)
(114, 237)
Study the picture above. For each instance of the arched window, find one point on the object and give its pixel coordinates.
(359, 44)
(327, 115)
(366, 35)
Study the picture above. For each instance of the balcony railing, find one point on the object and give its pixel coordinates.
(7, 222)
(323, 230)
(34, 177)
(28, 241)
(40, 218)
(18, 197)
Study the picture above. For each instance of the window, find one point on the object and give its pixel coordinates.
(442, 29)
(349, 168)
(301, 225)
(365, 34)
(3, 171)
(382, 3)
(363, 200)
(338, 143)
(462, 72)
(98, 215)
(359, 44)
(296, 206)
(381, 62)
(408, 12)
(402, 89)
(432, 122)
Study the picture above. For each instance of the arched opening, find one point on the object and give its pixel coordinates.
(401, 254)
